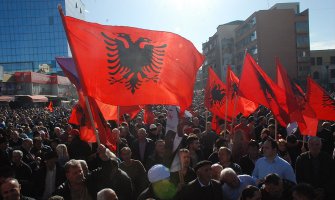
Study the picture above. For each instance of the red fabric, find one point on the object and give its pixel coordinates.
(321, 102)
(307, 111)
(244, 106)
(294, 110)
(149, 117)
(126, 66)
(105, 134)
(215, 96)
(50, 107)
(256, 86)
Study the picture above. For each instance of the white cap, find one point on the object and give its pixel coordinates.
(152, 126)
(157, 173)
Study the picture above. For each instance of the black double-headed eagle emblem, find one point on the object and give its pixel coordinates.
(133, 63)
(217, 95)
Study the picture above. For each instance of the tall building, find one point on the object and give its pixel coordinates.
(32, 33)
(219, 50)
(282, 31)
(323, 67)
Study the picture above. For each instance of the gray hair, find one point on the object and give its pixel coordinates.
(18, 152)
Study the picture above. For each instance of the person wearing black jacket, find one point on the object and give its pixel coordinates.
(77, 186)
(203, 187)
(316, 168)
(48, 177)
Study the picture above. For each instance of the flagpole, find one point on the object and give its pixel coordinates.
(118, 115)
(206, 116)
(226, 111)
(91, 119)
(79, 73)
(276, 130)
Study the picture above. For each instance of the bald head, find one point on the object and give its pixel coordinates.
(106, 194)
(11, 189)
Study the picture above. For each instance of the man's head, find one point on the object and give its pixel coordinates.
(216, 171)
(116, 134)
(84, 166)
(273, 185)
(204, 171)
(125, 153)
(27, 144)
(160, 147)
(224, 155)
(73, 172)
(253, 149)
(185, 158)
(193, 143)
(314, 146)
(153, 129)
(11, 189)
(270, 148)
(17, 156)
(141, 134)
(229, 176)
(107, 194)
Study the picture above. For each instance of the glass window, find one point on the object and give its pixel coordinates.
(332, 73)
(332, 60)
(319, 60)
(312, 61)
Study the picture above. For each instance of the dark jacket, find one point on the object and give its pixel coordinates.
(194, 191)
(318, 172)
(149, 149)
(40, 176)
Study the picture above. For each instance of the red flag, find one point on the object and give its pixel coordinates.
(294, 110)
(105, 134)
(244, 106)
(149, 116)
(50, 107)
(321, 102)
(256, 86)
(126, 66)
(215, 95)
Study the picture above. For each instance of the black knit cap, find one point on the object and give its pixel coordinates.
(201, 164)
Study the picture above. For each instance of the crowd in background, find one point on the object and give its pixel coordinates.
(43, 157)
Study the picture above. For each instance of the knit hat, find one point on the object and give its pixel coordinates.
(157, 173)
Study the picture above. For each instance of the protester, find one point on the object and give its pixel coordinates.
(203, 187)
(11, 190)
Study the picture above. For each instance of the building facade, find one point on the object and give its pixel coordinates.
(32, 34)
(323, 68)
(219, 50)
(282, 31)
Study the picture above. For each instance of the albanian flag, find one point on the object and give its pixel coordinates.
(294, 110)
(243, 105)
(258, 87)
(109, 112)
(50, 107)
(321, 102)
(124, 66)
(215, 95)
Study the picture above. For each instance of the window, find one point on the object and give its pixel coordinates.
(315, 75)
(319, 60)
(332, 73)
(332, 60)
(301, 27)
(51, 20)
(312, 61)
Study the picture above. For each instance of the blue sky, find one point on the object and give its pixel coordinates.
(197, 20)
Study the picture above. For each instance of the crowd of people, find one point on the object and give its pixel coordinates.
(43, 157)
